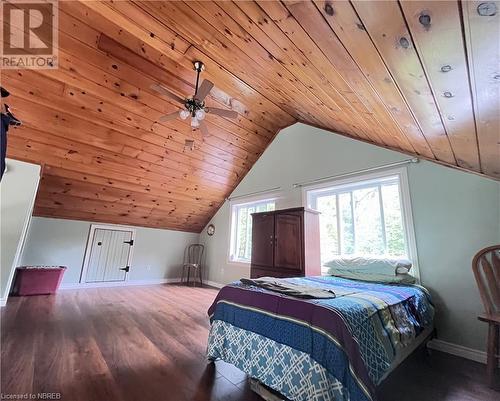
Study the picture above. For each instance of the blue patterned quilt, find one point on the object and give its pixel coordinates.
(318, 349)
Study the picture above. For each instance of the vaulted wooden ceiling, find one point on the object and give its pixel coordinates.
(421, 77)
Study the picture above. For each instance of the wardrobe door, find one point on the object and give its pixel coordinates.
(262, 239)
(288, 241)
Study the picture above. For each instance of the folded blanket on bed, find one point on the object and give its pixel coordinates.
(289, 288)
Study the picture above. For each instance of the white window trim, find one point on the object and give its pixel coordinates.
(240, 201)
(404, 194)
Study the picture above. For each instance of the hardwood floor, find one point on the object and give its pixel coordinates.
(148, 344)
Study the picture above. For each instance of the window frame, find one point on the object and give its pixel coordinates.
(404, 195)
(233, 205)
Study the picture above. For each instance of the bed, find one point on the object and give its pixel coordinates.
(320, 349)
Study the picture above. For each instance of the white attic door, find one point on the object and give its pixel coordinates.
(109, 252)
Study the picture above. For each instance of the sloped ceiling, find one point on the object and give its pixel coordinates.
(419, 77)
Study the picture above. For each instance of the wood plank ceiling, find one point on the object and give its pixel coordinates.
(421, 77)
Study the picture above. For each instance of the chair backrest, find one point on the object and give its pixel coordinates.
(194, 254)
(486, 267)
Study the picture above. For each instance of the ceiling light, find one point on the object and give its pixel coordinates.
(193, 107)
(200, 114)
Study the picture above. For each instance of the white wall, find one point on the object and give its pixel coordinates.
(17, 193)
(158, 254)
(455, 214)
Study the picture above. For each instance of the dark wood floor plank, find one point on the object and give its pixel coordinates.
(179, 342)
(149, 343)
(436, 377)
(91, 379)
(135, 362)
(18, 347)
(51, 345)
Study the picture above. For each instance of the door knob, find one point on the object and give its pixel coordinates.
(125, 269)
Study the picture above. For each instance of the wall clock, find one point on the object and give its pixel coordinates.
(211, 230)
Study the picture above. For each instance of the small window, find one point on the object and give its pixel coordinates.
(241, 228)
(365, 216)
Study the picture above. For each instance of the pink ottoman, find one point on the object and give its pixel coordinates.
(38, 280)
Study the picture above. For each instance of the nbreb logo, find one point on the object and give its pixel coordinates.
(29, 34)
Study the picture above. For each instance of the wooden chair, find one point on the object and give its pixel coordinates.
(193, 257)
(486, 267)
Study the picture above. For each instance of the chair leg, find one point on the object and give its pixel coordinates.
(188, 276)
(492, 354)
(201, 277)
(183, 273)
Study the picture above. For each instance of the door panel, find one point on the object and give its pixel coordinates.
(288, 238)
(262, 239)
(109, 254)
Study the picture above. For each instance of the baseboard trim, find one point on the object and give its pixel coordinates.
(213, 284)
(76, 286)
(3, 302)
(458, 350)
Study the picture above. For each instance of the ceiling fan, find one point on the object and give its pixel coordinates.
(194, 107)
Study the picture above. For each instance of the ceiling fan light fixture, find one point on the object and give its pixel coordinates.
(193, 107)
(183, 114)
(195, 123)
(200, 114)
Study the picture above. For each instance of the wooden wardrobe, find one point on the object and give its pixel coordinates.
(285, 243)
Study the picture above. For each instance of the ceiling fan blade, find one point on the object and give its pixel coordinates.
(204, 129)
(204, 89)
(223, 112)
(163, 91)
(168, 117)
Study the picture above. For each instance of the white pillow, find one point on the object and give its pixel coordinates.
(371, 265)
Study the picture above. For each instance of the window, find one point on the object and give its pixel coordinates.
(241, 228)
(366, 216)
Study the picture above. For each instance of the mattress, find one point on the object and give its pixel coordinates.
(319, 349)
